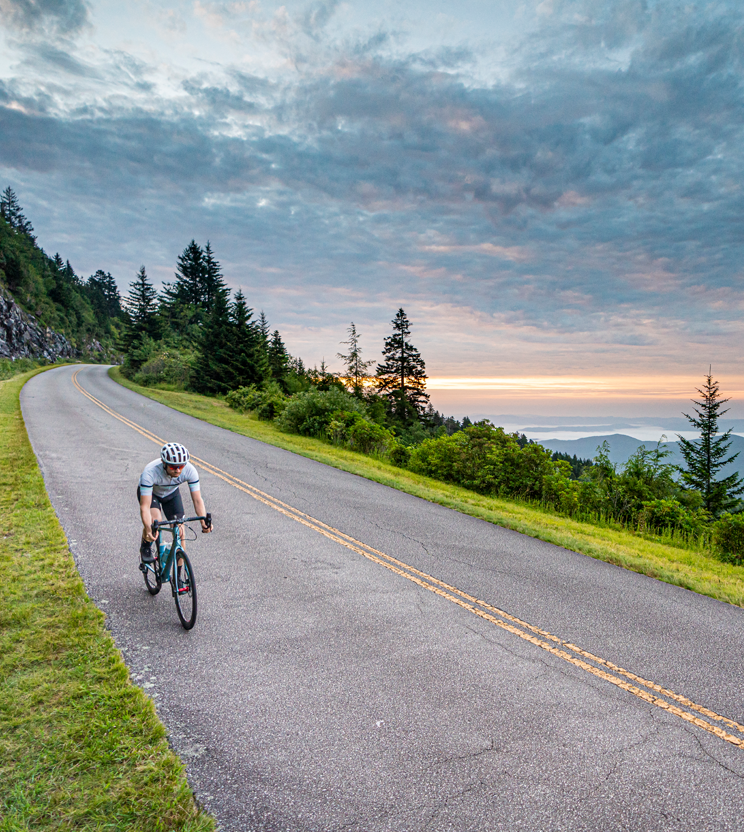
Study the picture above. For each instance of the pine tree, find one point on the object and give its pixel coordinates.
(182, 301)
(213, 282)
(104, 295)
(356, 369)
(10, 210)
(141, 307)
(401, 378)
(278, 357)
(213, 368)
(706, 456)
(250, 362)
(263, 327)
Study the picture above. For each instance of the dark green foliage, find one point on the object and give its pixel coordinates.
(577, 464)
(267, 402)
(708, 455)
(278, 357)
(728, 538)
(659, 515)
(47, 287)
(166, 365)
(11, 212)
(104, 297)
(485, 459)
(249, 360)
(141, 321)
(310, 413)
(213, 369)
(352, 430)
(189, 300)
(401, 377)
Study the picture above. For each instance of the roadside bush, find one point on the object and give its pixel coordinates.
(399, 455)
(728, 538)
(353, 431)
(266, 402)
(169, 366)
(658, 515)
(138, 354)
(311, 413)
(486, 459)
(10, 367)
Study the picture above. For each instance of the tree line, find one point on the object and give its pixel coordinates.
(195, 334)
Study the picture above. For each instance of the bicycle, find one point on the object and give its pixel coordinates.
(166, 568)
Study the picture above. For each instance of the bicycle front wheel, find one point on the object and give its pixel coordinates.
(184, 591)
(151, 572)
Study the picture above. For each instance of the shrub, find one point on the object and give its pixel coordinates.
(399, 455)
(658, 515)
(311, 413)
(353, 431)
(267, 402)
(169, 366)
(728, 538)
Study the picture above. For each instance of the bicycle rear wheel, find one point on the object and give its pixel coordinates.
(184, 591)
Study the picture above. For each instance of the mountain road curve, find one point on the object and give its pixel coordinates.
(364, 660)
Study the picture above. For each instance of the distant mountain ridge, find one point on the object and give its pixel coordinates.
(622, 447)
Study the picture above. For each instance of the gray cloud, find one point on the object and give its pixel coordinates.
(602, 175)
(65, 17)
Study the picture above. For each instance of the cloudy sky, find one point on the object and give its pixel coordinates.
(552, 191)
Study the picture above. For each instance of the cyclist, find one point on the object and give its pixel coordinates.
(158, 492)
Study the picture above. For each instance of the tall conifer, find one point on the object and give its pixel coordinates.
(401, 377)
(706, 456)
(141, 307)
(250, 362)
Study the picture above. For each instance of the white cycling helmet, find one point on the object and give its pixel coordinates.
(172, 453)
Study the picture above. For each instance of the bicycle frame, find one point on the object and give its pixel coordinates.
(168, 554)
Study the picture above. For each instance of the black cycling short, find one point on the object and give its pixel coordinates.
(171, 506)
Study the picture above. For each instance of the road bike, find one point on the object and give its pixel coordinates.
(172, 565)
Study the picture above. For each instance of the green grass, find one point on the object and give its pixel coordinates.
(679, 565)
(80, 746)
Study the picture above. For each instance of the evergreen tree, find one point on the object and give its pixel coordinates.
(141, 312)
(706, 456)
(263, 327)
(250, 362)
(104, 295)
(183, 300)
(214, 282)
(213, 368)
(401, 378)
(356, 369)
(278, 357)
(11, 211)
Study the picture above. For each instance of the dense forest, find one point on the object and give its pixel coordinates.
(195, 334)
(87, 312)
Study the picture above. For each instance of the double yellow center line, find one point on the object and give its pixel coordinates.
(722, 727)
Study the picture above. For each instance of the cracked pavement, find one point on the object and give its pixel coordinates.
(320, 691)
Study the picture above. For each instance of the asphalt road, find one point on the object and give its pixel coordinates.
(328, 687)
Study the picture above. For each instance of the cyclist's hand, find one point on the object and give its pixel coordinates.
(207, 524)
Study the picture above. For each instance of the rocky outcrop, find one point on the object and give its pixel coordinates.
(22, 337)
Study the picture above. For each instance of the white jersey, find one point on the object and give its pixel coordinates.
(156, 480)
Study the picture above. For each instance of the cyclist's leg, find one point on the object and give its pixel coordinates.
(146, 552)
(173, 509)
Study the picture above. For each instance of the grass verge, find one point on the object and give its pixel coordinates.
(683, 567)
(80, 746)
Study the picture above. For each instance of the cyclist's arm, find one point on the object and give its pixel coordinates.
(199, 507)
(146, 515)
